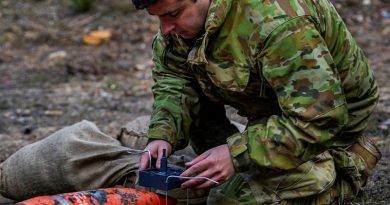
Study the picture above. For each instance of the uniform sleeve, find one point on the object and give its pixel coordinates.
(298, 66)
(175, 97)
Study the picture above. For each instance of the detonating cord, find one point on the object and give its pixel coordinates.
(180, 177)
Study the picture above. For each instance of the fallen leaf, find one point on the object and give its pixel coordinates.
(96, 37)
(89, 40)
(101, 34)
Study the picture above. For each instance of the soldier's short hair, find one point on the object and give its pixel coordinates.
(141, 4)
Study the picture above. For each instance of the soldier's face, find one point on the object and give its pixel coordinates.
(185, 18)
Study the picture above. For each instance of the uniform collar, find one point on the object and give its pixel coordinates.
(216, 16)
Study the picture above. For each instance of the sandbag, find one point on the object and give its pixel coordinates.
(78, 157)
(133, 134)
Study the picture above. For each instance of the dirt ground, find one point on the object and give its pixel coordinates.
(50, 78)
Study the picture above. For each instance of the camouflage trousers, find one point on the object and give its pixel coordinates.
(333, 177)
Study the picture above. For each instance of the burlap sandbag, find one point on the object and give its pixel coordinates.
(133, 134)
(81, 157)
(78, 157)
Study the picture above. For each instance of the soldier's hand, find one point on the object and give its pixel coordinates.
(156, 151)
(215, 163)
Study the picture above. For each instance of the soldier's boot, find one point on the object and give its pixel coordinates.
(354, 166)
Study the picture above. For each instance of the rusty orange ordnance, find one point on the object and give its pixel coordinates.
(109, 196)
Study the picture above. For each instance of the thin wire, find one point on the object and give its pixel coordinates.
(166, 197)
(172, 176)
(187, 196)
(180, 177)
(124, 183)
(141, 152)
(166, 193)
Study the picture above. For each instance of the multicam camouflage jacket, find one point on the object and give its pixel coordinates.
(292, 65)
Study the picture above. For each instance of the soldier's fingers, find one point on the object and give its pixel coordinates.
(197, 159)
(197, 181)
(144, 161)
(217, 177)
(159, 156)
(195, 169)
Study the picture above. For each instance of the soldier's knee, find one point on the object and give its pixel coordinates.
(311, 178)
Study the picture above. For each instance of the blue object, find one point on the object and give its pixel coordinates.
(157, 178)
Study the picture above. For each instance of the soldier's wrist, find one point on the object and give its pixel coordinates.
(239, 152)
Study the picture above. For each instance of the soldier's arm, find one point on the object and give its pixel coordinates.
(175, 98)
(298, 66)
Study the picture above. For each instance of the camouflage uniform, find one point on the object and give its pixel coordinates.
(294, 70)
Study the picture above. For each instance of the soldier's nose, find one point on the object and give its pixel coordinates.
(167, 27)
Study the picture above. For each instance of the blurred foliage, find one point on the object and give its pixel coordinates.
(82, 6)
(78, 6)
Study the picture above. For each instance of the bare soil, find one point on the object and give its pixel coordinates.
(50, 78)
